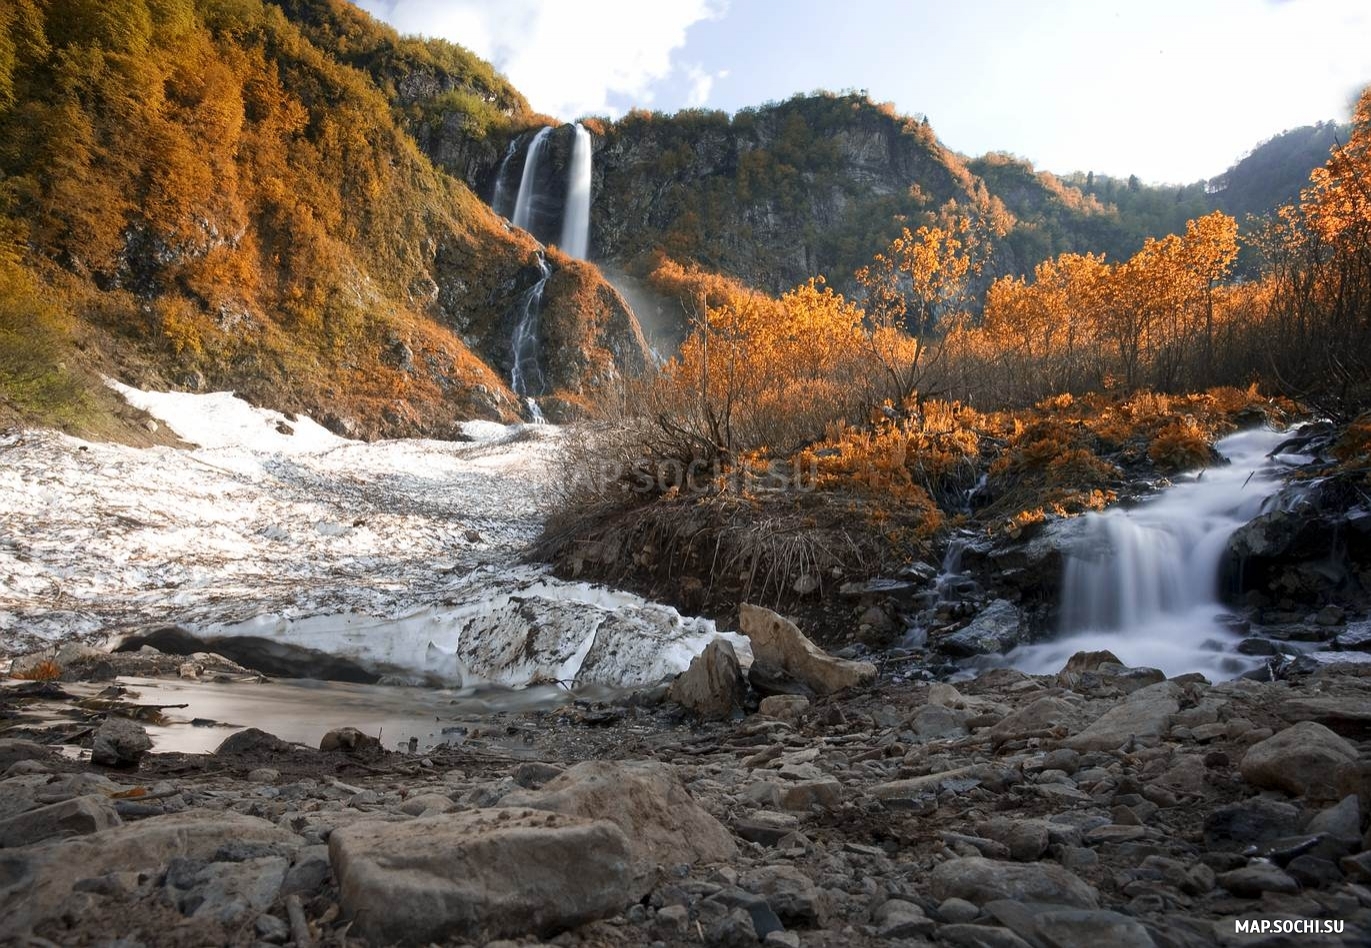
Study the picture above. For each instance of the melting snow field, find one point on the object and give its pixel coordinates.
(400, 554)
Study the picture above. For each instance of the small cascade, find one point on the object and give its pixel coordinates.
(1144, 582)
(526, 375)
(576, 216)
(523, 202)
(500, 201)
(949, 586)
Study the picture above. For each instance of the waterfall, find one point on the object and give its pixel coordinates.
(1144, 582)
(576, 215)
(499, 201)
(526, 375)
(523, 202)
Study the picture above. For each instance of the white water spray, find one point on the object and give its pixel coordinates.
(576, 216)
(523, 202)
(1144, 583)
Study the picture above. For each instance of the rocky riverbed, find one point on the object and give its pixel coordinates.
(1103, 805)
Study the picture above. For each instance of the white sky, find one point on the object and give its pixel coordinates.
(1170, 90)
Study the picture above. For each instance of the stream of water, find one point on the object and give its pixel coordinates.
(1143, 582)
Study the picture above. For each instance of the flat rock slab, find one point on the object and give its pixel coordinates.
(979, 880)
(1145, 715)
(480, 875)
(778, 641)
(645, 799)
(75, 817)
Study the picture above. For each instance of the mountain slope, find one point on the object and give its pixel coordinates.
(219, 201)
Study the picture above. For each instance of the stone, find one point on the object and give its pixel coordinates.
(1090, 929)
(996, 629)
(271, 929)
(37, 883)
(646, 799)
(1251, 881)
(75, 817)
(935, 722)
(1342, 821)
(13, 751)
(1357, 868)
(777, 641)
(1144, 715)
(713, 686)
(788, 708)
(792, 895)
(309, 871)
(533, 774)
(349, 740)
(1236, 826)
(225, 892)
(252, 742)
(120, 742)
(479, 875)
(1026, 840)
(954, 911)
(1302, 760)
(735, 929)
(1038, 717)
(826, 793)
(979, 936)
(896, 918)
(979, 880)
(672, 921)
(428, 804)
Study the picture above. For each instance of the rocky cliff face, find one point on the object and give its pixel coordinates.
(771, 196)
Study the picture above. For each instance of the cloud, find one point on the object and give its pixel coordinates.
(569, 59)
(700, 83)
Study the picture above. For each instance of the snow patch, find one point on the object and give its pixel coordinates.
(401, 554)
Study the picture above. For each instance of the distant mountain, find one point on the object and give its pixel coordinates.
(1273, 173)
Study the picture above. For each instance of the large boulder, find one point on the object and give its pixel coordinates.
(1302, 760)
(37, 883)
(646, 799)
(480, 875)
(713, 686)
(997, 629)
(1145, 715)
(778, 642)
(979, 880)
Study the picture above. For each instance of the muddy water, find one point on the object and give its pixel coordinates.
(302, 711)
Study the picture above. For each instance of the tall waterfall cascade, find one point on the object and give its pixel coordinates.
(501, 202)
(526, 374)
(1144, 582)
(576, 215)
(523, 202)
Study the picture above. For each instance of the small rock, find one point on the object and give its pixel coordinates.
(733, 930)
(264, 775)
(826, 793)
(533, 774)
(349, 740)
(896, 918)
(1144, 715)
(1251, 881)
(271, 929)
(120, 743)
(788, 708)
(980, 880)
(955, 911)
(1241, 824)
